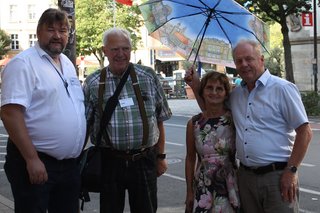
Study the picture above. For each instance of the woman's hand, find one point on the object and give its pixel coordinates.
(189, 203)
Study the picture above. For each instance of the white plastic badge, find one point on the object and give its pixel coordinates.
(126, 102)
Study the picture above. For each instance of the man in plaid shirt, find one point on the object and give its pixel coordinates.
(126, 164)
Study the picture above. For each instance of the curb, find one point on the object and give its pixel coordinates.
(6, 204)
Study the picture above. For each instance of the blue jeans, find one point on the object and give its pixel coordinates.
(60, 194)
(138, 177)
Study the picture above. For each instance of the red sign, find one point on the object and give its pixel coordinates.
(127, 2)
(307, 20)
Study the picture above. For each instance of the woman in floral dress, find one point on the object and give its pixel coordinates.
(210, 175)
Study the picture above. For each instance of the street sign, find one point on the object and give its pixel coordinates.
(307, 20)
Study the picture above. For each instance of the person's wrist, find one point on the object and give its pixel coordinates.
(292, 169)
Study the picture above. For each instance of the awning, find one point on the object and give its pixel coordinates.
(168, 55)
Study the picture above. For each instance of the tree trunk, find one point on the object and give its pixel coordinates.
(287, 51)
(70, 49)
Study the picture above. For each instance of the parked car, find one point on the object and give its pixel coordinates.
(168, 86)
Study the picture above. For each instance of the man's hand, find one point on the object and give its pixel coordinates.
(289, 186)
(189, 203)
(162, 167)
(37, 171)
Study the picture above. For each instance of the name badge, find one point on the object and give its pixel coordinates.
(75, 82)
(126, 102)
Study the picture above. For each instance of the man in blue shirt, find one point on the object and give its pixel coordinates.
(272, 133)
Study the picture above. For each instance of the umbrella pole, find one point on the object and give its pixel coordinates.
(206, 24)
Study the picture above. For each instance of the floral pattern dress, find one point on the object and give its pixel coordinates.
(215, 184)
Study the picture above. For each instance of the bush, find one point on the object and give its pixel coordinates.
(311, 101)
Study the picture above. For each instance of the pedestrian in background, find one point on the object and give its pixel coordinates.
(128, 165)
(272, 133)
(210, 175)
(43, 112)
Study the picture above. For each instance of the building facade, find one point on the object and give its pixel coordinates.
(301, 36)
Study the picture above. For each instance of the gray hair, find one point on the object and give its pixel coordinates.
(115, 31)
(256, 46)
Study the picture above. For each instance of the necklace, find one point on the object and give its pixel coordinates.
(64, 81)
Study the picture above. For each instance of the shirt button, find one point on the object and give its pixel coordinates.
(245, 142)
(247, 156)
(248, 116)
(249, 104)
(246, 129)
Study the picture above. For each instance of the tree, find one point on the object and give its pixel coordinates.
(277, 11)
(5, 42)
(94, 17)
(274, 61)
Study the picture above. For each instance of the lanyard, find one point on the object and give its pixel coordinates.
(64, 81)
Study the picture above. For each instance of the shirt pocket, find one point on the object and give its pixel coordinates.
(74, 87)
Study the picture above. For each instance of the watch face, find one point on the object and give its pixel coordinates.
(293, 169)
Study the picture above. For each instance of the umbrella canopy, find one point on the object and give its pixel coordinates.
(204, 30)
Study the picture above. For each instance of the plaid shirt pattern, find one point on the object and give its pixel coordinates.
(125, 128)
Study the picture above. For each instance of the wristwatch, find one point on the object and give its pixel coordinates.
(292, 169)
(161, 156)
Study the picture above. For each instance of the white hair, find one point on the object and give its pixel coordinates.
(116, 31)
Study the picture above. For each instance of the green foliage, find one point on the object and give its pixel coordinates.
(311, 101)
(274, 62)
(94, 17)
(275, 36)
(276, 10)
(5, 42)
(272, 11)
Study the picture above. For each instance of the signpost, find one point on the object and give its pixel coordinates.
(68, 6)
(315, 65)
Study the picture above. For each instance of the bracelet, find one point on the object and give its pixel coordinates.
(161, 156)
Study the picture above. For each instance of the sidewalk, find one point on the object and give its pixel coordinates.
(6, 205)
(184, 107)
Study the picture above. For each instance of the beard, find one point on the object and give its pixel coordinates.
(54, 48)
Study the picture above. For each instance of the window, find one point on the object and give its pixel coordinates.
(13, 13)
(31, 12)
(32, 39)
(14, 42)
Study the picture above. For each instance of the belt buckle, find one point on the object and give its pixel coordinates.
(134, 156)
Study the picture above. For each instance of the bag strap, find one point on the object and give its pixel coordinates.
(100, 101)
(142, 110)
(102, 83)
(109, 108)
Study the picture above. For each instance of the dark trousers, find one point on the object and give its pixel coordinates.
(138, 177)
(60, 194)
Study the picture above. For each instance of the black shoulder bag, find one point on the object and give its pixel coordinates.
(90, 158)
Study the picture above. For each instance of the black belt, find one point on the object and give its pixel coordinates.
(132, 155)
(265, 169)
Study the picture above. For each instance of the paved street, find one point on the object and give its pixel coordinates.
(179, 107)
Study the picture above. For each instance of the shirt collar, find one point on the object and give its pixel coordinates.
(262, 80)
(264, 77)
(41, 52)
